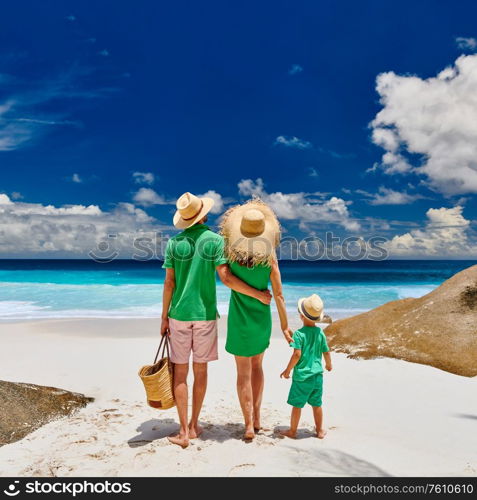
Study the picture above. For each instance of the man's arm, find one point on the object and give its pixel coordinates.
(231, 281)
(169, 285)
(277, 289)
(295, 357)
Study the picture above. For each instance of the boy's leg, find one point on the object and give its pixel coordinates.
(315, 400)
(204, 348)
(181, 397)
(198, 394)
(257, 389)
(318, 416)
(294, 421)
(299, 392)
(245, 394)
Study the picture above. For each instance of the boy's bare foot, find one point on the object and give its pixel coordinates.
(179, 440)
(321, 434)
(288, 433)
(249, 434)
(195, 431)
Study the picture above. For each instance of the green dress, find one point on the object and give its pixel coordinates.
(249, 323)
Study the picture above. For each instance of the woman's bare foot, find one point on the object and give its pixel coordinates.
(179, 440)
(321, 434)
(195, 431)
(288, 433)
(249, 434)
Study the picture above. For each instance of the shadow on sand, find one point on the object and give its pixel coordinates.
(309, 461)
(466, 415)
(155, 429)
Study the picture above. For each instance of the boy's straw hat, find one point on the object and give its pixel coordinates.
(311, 307)
(191, 209)
(251, 232)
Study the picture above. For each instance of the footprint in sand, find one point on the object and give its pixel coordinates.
(241, 469)
(139, 442)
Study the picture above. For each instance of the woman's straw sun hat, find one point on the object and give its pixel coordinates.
(190, 209)
(251, 232)
(311, 307)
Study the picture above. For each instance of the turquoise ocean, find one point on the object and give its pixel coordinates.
(31, 289)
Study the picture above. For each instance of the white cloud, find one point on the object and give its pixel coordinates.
(218, 207)
(434, 119)
(33, 229)
(5, 200)
(466, 43)
(292, 142)
(306, 208)
(148, 197)
(16, 195)
(312, 172)
(444, 234)
(21, 116)
(387, 196)
(143, 177)
(295, 69)
(76, 178)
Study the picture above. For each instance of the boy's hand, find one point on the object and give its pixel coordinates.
(328, 366)
(285, 374)
(288, 335)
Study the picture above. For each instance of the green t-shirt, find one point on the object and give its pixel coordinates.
(311, 341)
(194, 254)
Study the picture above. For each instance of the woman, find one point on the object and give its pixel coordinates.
(252, 232)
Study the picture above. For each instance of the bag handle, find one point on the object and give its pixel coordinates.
(165, 347)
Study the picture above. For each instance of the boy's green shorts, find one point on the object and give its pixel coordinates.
(306, 391)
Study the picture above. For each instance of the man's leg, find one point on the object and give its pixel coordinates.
(181, 395)
(181, 346)
(204, 348)
(257, 389)
(245, 394)
(198, 394)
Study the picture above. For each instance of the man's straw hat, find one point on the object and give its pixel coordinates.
(251, 232)
(311, 307)
(191, 209)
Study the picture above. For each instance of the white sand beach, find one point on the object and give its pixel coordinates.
(384, 416)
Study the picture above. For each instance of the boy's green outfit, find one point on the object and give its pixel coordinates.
(307, 384)
(194, 254)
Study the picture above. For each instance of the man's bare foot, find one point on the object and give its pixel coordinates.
(249, 434)
(179, 440)
(195, 431)
(288, 433)
(321, 434)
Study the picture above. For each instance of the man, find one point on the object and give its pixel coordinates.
(189, 308)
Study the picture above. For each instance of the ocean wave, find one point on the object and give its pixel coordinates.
(25, 300)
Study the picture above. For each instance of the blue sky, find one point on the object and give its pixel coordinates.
(278, 99)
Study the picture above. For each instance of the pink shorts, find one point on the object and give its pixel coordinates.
(200, 337)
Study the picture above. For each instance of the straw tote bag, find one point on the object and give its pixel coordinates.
(158, 379)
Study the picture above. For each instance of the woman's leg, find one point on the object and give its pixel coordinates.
(257, 389)
(245, 395)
